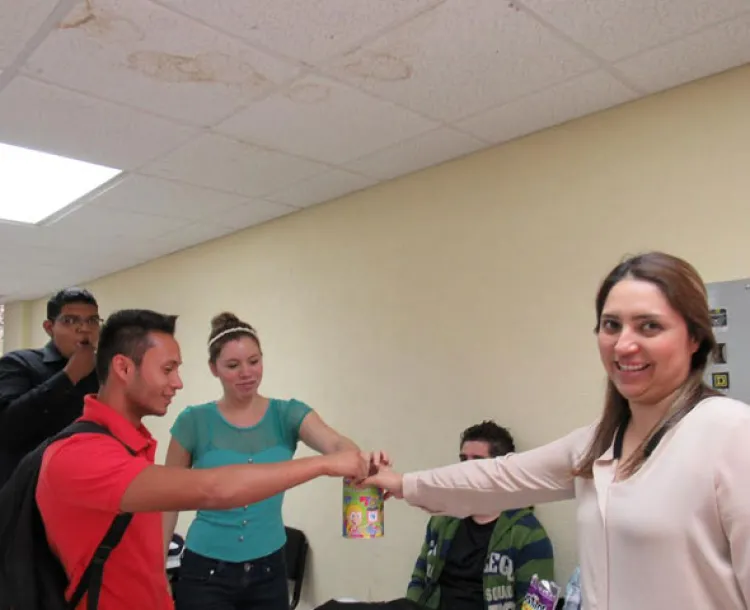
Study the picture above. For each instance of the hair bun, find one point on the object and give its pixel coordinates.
(223, 321)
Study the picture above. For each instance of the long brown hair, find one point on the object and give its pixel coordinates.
(684, 289)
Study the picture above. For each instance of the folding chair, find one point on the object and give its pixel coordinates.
(296, 557)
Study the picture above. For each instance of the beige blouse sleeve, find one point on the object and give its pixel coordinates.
(478, 487)
(733, 499)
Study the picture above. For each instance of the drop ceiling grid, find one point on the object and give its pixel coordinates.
(226, 115)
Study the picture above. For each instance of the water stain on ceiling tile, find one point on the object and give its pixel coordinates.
(101, 24)
(379, 66)
(309, 93)
(108, 27)
(201, 68)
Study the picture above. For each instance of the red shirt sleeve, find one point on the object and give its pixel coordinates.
(91, 471)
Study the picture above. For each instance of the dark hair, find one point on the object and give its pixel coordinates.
(126, 332)
(683, 287)
(230, 327)
(68, 296)
(498, 438)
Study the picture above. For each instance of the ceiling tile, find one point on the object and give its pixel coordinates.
(580, 96)
(50, 269)
(252, 213)
(99, 229)
(22, 236)
(82, 246)
(136, 52)
(323, 187)
(227, 165)
(423, 151)
(185, 237)
(19, 234)
(114, 259)
(504, 54)
(229, 221)
(321, 119)
(19, 21)
(42, 280)
(167, 198)
(35, 256)
(710, 51)
(48, 118)
(308, 30)
(614, 29)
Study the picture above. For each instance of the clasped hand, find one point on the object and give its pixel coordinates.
(366, 469)
(382, 475)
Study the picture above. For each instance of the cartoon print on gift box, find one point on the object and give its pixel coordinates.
(373, 525)
(353, 522)
(363, 513)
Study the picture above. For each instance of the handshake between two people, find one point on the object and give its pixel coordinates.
(366, 469)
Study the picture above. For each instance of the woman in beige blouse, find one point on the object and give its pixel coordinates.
(662, 479)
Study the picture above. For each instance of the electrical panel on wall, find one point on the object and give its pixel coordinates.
(729, 372)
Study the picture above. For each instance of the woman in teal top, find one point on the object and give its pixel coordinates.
(234, 559)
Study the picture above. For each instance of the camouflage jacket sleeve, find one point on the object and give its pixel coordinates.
(533, 556)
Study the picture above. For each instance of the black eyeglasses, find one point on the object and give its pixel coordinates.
(79, 322)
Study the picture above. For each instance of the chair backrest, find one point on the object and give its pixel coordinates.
(296, 557)
(174, 554)
(176, 545)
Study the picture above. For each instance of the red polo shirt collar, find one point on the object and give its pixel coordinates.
(138, 439)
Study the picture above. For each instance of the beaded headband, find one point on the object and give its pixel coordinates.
(236, 329)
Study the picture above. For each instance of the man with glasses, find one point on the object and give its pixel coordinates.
(42, 390)
(483, 562)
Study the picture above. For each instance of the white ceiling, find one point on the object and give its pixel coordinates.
(226, 113)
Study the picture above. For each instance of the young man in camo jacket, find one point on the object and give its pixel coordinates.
(483, 562)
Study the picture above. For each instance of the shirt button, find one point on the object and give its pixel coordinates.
(241, 538)
(244, 522)
(249, 460)
(244, 507)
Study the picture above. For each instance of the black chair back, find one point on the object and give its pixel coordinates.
(296, 558)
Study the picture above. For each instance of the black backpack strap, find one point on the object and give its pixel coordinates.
(92, 577)
(91, 580)
(86, 427)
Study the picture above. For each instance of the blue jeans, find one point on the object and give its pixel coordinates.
(210, 584)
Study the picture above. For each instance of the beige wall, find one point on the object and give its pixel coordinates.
(409, 311)
(18, 326)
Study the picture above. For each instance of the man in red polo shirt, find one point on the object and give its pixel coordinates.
(87, 479)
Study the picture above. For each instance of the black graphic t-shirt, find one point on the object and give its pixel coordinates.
(461, 585)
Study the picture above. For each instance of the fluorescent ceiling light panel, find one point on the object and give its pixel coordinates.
(34, 185)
